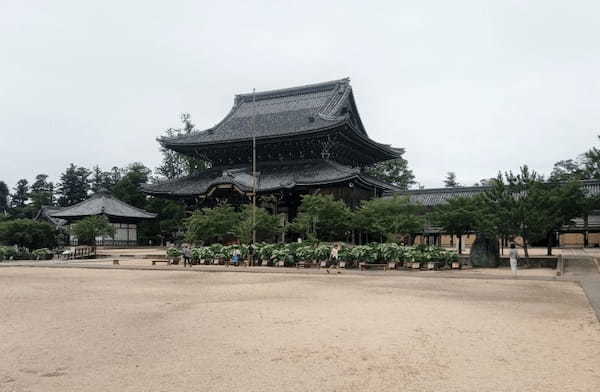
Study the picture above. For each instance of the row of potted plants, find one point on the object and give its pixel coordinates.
(12, 253)
(295, 254)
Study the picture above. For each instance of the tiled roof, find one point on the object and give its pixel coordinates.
(46, 213)
(280, 112)
(102, 203)
(270, 177)
(436, 196)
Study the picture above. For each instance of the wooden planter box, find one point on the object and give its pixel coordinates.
(415, 265)
(202, 261)
(433, 265)
(280, 264)
(323, 264)
(456, 265)
(342, 264)
(175, 260)
(392, 265)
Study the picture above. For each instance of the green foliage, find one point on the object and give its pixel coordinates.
(395, 172)
(87, 229)
(212, 224)
(42, 192)
(73, 186)
(21, 195)
(390, 215)
(450, 181)
(457, 217)
(203, 253)
(127, 189)
(28, 233)
(173, 252)
(322, 252)
(305, 253)
(267, 225)
(175, 165)
(7, 253)
(170, 218)
(42, 254)
(4, 193)
(322, 216)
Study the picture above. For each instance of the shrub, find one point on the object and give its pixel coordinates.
(42, 254)
(28, 233)
(173, 252)
(87, 229)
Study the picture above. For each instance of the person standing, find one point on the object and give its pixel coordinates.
(187, 256)
(514, 258)
(333, 256)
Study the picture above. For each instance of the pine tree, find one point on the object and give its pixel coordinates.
(74, 185)
(450, 181)
(21, 195)
(42, 191)
(175, 165)
(4, 193)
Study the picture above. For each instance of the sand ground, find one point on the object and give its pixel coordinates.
(96, 330)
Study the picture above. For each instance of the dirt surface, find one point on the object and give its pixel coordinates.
(97, 330)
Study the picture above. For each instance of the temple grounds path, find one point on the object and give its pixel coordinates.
(75, 329)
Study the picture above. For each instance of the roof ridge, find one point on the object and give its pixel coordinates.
(290, 91)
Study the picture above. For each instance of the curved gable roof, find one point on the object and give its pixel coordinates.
(281, 112)
(99, 204)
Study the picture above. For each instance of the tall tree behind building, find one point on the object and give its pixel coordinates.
(21, 194)
(586, 166)
(73, 186)
(42, 191)
(175, 165)
(450, 181)
(128, 187)
(4, 193)
(395, 172)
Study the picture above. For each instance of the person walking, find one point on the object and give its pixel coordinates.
(187, 256)
(514, 258)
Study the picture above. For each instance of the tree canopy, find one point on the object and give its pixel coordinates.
(73, 186)
(87, 229)
(395, 172)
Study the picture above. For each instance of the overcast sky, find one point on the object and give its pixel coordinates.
(464, 86)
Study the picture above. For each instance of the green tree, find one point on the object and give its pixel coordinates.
(566, 170)
(73, 186)
(212, 224)
(168, 222)
(87, 229)
(457, 217)
(4, 193)
(267, 225)
(395, 172)
(450, 181)
(128, 189)
(21, 195)
(389, 216)
(42, 192)
(28, 233)
(176, 165)
(591, 163)
(322, 217)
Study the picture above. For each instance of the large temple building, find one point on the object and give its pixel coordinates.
(309, 139)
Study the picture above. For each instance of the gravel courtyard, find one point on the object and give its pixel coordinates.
(121, 330)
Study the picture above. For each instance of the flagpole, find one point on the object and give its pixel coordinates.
(253, 168)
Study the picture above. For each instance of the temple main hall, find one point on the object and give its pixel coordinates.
(309, 140)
